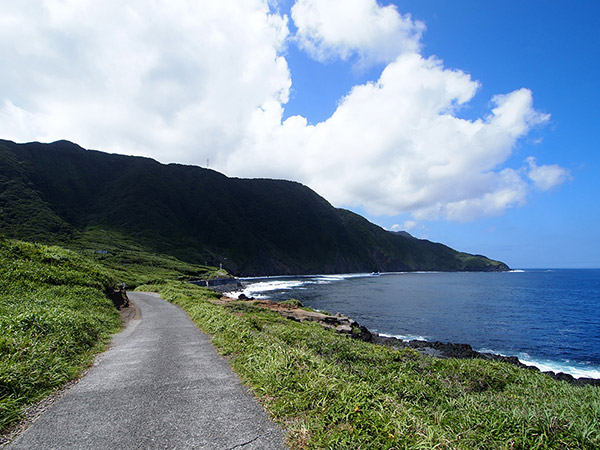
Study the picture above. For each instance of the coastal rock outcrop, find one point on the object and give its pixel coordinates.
(338, 322)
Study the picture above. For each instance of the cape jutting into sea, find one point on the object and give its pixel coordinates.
(547, 318)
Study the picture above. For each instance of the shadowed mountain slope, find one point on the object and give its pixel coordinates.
(252, 226)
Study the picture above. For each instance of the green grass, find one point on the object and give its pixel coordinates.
(132, 263)
(332, 392)
(54, 317)
(292, 302)
(54, 313)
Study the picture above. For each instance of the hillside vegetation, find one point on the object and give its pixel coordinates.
(54, 317)
(133, 264)
(59, 193)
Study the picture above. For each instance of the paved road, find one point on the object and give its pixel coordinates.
(161, 385)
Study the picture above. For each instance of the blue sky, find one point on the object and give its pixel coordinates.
(470, 123)
(548, 47)
(551, 48)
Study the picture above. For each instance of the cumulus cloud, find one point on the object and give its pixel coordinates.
(406, 226)
(547, 176)
(396, 145)
(185, 81)
(176, 79)
(342, 28)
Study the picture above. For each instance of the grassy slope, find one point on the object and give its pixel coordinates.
(133, 263)
(330, 391)
(54, 316)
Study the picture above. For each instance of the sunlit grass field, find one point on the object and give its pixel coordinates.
(54, 317)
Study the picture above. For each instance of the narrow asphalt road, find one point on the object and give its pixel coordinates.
(161, 385)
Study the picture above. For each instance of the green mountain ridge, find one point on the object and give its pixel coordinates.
(54, 192)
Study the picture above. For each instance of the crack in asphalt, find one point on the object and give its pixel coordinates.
(244, 444)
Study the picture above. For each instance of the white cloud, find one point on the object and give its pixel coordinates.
(342, 28)
(176, 79)
(406, 226)
(547, 176)
(185, 81)
(395, 146)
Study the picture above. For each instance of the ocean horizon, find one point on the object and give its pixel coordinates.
(547, 318)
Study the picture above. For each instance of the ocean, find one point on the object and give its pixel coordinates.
(547, 318)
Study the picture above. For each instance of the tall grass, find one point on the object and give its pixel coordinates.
(332, 392)
(54, 317)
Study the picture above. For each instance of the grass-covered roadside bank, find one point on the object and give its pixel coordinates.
(54, 317)
(330, 391)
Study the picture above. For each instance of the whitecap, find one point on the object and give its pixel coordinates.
(578, 370)
(404, 337)
(575, 369)
(262, 285)
(272, 285)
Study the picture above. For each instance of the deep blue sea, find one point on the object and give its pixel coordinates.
(547, 318)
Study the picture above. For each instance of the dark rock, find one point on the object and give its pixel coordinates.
(361, 332)
(563, 377)
(339, 322)
(119, 298)
(584, 381)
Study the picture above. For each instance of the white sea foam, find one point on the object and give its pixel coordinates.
(404, 337)
(260, 287)
(236, 294)
(342, 276)
(275, 285)
(516, 271)
(233, 294)
(578, 370)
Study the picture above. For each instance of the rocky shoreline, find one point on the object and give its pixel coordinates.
(465, 351)
(345, 325)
